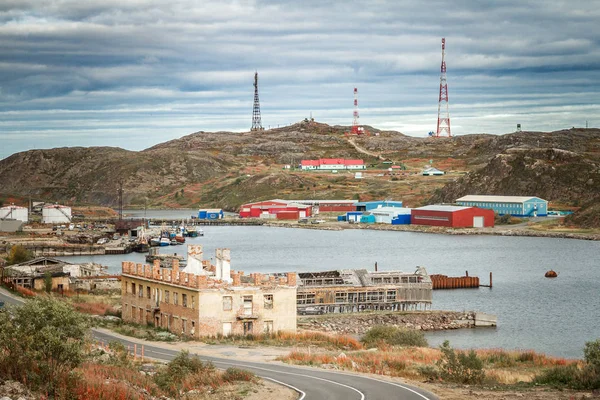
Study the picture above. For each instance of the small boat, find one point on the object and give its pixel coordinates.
(164, 241)
(199, 232)
(189, 233)
(155, 241)
(551, 274)
(141, 247)
(179, 238)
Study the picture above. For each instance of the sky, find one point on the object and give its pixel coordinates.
(134, 73)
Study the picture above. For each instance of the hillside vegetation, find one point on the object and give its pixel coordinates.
(226, 169)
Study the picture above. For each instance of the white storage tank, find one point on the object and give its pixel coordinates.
(56, 214)
(14, 212)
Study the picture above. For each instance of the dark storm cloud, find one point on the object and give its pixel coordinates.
(74, 72)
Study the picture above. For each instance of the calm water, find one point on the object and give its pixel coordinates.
(555, 316)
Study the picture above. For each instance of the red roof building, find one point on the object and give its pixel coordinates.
(332, 164)
(452, 216)
(267, 209)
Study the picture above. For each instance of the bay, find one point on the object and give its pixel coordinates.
(554, 316)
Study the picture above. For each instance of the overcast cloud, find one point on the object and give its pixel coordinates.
(133, 73)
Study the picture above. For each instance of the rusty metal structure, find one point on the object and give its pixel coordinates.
(361, 290)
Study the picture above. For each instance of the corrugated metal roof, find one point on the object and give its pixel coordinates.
(438, 207)
(498, 199)
(397, 210)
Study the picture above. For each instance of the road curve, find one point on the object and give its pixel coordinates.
(310, 383)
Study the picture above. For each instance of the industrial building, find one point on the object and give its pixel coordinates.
(10, 225)
(431, 171)
(210, 213)
(328, 205)
(518, 206)
(353, 216)
(270, 209)
(452, 216)
(371, 205)
(15, 213)
(330, 164)
(56, 214)
(386, 215)
(207, 300)
(361, 290)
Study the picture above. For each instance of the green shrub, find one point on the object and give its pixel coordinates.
(591, 353)
(41, 342)
(233, 374)
(586, 378)
(176, 371)
(18, 254)
(460, 367)
(393, 336)
(429, 371)
(563, 375)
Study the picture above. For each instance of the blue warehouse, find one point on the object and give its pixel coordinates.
(518, 206)
(210, 213)
(371, 205)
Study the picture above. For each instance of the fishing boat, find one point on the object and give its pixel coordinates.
(189, 233)
(142, 245)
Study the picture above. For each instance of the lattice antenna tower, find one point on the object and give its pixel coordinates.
(256, 123)
(356, 128)
(443, 122)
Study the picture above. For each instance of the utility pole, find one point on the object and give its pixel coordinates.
(120, 194)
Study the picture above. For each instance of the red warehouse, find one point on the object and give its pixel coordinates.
(452, 216)
(271, 208)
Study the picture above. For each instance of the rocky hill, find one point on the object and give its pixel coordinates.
(226, 169)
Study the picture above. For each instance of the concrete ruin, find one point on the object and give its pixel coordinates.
(65, 276)
(203, 299)
(361, 290)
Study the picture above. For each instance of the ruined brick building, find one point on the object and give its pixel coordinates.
(207, 300)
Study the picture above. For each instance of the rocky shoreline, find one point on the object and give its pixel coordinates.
(359, 323)
(498, 231)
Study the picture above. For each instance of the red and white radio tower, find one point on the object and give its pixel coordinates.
(443, 122)
(356, 129)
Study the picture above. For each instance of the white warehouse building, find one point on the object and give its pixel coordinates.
(56, 214)
(385, 215)
(14, 212)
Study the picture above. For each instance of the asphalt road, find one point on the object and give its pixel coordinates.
(310, 383)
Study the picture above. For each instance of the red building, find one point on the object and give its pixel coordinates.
(266, 208)
(452, 216)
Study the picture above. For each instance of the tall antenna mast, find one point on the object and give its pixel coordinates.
(356, 128)
(256, 123)
(443, 122)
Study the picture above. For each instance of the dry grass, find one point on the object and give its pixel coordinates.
(317, 339)
(113, 382)
(501, 367)
(95, 308)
